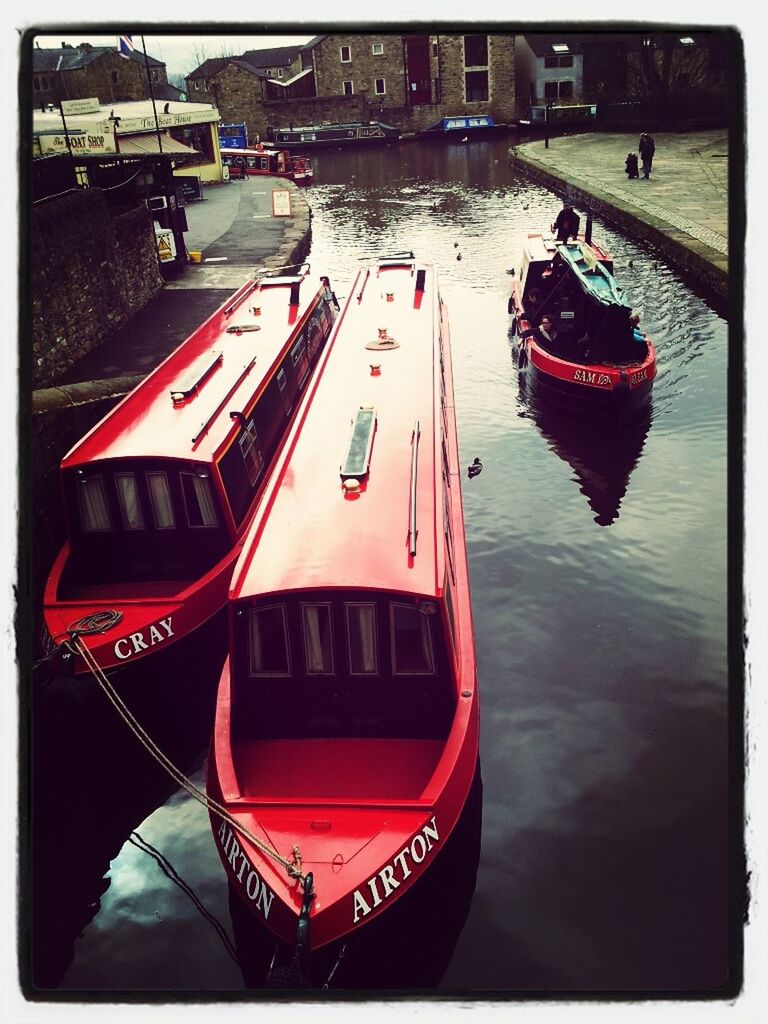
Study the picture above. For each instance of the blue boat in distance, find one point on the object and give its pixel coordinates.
(466, 124)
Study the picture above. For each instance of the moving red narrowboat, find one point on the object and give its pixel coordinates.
(347, 714)
(160, 494)
(277, 163)
(576, 333)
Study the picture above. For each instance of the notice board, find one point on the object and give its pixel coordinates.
(281, 202)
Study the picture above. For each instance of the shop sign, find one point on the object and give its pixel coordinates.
(81, 143)
(88, 106)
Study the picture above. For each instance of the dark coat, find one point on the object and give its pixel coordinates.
(647, 146)
(566, 224)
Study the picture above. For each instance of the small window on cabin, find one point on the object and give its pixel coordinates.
(251, 452)
(318, 639)
(198, 500)
(282, 383)
(361, 639)
(300, 360)
(314, 336)
(94, 511)
(346, 54)
(269, 641)
(377, 49)
(130, 503)
(160, 495)
(411, 634)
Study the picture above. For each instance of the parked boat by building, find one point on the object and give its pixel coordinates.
(575, 331)
(347, 714)
(543, 115)
(277, 163)
(352, 133)
(463, 127)
(160, 494)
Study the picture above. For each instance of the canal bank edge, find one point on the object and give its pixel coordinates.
(690, 254)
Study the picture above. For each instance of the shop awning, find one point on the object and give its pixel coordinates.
(146, 144)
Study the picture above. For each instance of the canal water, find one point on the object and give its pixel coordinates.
(595, 857)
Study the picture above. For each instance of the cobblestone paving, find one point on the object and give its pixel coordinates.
(688, 189)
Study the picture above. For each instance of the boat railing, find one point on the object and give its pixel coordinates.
(412, 529)
(277, 275)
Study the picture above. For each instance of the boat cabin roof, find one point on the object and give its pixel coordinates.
(309, 533)
(217, 370)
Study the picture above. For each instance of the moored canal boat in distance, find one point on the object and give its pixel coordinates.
(263, 160)
(327, 134)
(577, 336)
(463, 127)
(159, 495)
(347, 714)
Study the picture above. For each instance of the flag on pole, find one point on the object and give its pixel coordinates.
(125, 45)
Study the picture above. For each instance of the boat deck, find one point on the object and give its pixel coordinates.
(337, 769)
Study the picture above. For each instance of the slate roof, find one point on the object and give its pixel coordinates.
(69, 58)
(277, 56)
(541, 43)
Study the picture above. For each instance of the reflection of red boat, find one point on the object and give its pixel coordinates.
(347, 714)
(160, 494)
(593, 349)
(262, 160)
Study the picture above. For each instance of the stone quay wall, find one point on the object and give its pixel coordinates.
(90, 272)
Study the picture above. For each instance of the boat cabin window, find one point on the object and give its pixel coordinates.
(136, 520)
(411, 639)
(361, 639)
(160, 495)
(198, 500)
(300, 359)
(130, 503)
(325, 665)
(318, 638)
(93, 505)
(251, 450)
(269, 641)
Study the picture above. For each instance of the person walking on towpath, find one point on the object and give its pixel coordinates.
(647, 148)
(567, 223)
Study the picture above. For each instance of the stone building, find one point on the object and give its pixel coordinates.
(80, 72)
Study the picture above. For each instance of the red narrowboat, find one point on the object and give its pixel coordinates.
(577, 336)
(277, 163)
(160, 494)
(346, 732)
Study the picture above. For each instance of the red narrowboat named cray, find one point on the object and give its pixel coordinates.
(277, 163)
(347, 714)
(577, 335)
(160, 494)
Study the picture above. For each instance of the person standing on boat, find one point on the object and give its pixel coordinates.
(647, 148)
(548, 332)
(566, 224)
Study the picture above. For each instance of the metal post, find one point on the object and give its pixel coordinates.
(152, 94)
(546, 125)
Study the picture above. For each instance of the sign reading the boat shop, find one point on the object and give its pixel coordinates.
(281, 202)
(82, 143)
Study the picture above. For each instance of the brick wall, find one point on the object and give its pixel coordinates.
(90, 273)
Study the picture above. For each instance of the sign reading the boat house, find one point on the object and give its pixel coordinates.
(281, 202)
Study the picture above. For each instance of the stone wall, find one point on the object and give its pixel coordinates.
(90, 272)
(363, 67)
(284, 113)
(237, 94)
(501, 77)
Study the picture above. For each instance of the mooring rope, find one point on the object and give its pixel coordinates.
(292, 867)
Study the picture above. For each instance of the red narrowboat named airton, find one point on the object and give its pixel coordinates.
(277, 163)
(160, 494)
(577, 336)
(347, 714)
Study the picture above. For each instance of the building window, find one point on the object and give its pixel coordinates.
(155, 76)
(115, 77)
(558, 62)
(81, 173)
(349, 88)
(346, 54)
(555, 90)
(377, 49)
(476, 51)
(476, 83)
(279, 72)
(196, 83)
(269, 641)
(381, 87)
